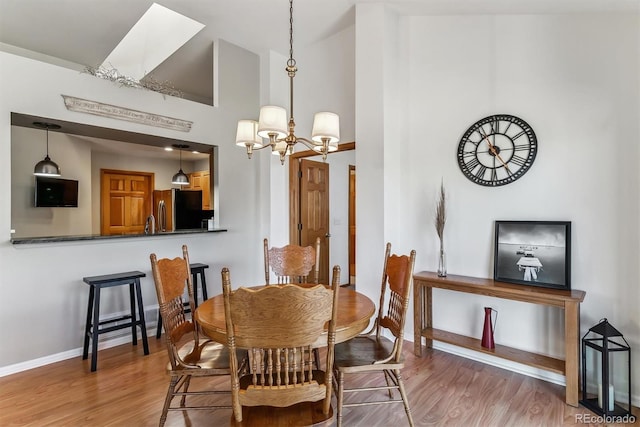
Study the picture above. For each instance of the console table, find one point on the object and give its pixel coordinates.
(425, 281)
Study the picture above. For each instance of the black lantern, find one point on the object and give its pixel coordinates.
(606, 371)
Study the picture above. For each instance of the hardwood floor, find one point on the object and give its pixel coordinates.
(128, 389)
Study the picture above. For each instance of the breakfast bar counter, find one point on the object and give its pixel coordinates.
(55, 239)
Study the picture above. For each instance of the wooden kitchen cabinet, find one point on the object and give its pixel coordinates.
(201, 181)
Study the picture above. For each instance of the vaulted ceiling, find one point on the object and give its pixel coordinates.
(80, 33)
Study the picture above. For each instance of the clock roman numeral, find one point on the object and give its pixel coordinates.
(518, 136)
(520, 161)
(508, 126)
(521, 147)
(466, 139)
(469, 154)
(471, 164)
(481, 171)
(494, 175)
(495, 126)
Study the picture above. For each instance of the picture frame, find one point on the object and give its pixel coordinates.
(533, 253)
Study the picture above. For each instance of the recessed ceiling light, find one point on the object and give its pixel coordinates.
(168, 148)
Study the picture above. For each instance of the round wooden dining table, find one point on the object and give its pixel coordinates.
(354, 312)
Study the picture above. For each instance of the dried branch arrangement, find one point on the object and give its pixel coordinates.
(149, 83)
(441, 214)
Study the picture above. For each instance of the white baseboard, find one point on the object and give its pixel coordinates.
(510, 366)
(70, 354)
(107, 340)
(501, 363)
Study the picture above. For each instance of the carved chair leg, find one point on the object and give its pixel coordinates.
(340, 396)
(187, 381)
(387, 376)
(403, 393)
(167, 400)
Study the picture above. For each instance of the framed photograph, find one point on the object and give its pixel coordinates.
(534, 253)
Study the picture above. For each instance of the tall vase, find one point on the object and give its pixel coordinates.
(442, 262)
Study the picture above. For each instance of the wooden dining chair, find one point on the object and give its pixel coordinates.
(292, 263)
(373, 351)
(189, 355)
(279, 326)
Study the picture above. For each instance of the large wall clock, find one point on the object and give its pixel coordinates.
(497, 150)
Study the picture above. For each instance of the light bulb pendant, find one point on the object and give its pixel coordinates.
(180, 178)
(46, 167)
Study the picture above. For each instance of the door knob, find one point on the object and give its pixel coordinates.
(327, 235)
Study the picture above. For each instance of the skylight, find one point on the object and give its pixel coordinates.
(156, 36)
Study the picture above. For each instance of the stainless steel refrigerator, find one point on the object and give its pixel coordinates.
(177, 209)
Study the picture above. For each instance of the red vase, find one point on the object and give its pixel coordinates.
(488, 329)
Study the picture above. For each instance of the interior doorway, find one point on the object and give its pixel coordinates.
(306, 223)
(314, 211)
(125, 201)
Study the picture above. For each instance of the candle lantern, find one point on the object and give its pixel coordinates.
(606, 371)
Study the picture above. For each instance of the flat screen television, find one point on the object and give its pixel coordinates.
(56, 192)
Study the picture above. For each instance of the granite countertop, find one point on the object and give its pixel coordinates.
(52, 239)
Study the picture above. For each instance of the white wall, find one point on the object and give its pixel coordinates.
(371, 192)
(326, 82)
(42, 296)
(279, 174)
(575, 79)
(74, 159)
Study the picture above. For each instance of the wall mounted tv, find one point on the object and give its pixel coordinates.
(56, 192)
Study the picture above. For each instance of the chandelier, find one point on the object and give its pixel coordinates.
(272, 124)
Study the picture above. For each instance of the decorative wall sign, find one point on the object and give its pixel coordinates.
(120, 113)
(535, 253)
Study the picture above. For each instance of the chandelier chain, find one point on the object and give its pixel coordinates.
(291, 62)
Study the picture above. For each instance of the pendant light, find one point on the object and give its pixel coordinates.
(180, 178)
(46, 167)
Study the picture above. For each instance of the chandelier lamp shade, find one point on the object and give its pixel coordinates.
(46, 167)
(247, 136)
(274, 126)
(180, 178)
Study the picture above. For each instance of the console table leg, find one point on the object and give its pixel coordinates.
(427, 313)
(417, 320)
(571, 343)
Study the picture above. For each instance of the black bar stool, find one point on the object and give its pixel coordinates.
(197, 269)
(93, 326)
